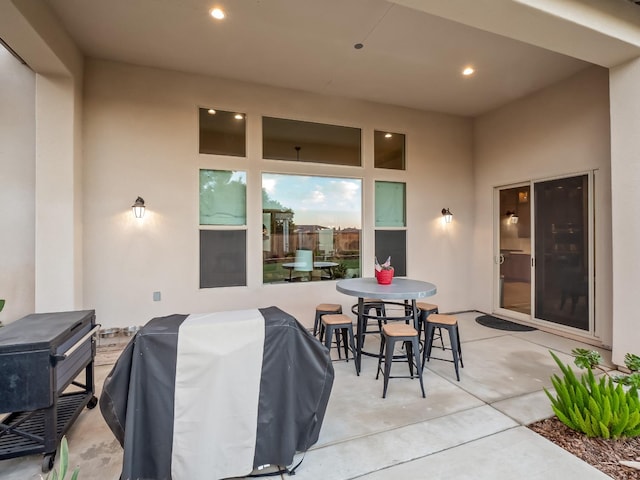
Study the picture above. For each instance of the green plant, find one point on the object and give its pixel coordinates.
(340, 270)
(64, 464)
(594, 407)
(592, 359)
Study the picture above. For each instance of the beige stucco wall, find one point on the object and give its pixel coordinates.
(560, 130)
(34, 33)
(141, 138)
(17, 190)
(625, 166)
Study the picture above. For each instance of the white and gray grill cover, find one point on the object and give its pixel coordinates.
(138, 396)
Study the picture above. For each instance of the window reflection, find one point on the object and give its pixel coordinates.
(298, 141)
(311, 228)
(388, 150)
(223, 197)
(222, 133)
(390, 204)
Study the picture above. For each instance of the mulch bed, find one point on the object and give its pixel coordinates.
(602, 454)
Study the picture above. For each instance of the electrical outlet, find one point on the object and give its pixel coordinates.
(156, 296)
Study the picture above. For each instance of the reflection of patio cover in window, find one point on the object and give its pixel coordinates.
(291, 404)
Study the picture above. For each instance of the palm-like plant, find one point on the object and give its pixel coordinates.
(64, 464)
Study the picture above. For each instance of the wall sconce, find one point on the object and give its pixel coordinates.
(514, 216)
(138, 207)
(448, 216)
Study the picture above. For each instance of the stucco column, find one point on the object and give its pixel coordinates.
(58, 240)
(625, 196)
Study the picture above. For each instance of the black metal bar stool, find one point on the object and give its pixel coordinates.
(322, 309)
(399, 332)
(427, 309)
(450, 324)
(381, 312)
(339, 323)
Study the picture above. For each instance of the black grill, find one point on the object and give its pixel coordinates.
(40, 357)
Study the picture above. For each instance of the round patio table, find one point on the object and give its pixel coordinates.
(400, 289)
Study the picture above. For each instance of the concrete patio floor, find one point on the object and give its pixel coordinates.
(472, 429)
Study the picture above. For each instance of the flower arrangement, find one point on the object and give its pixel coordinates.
(385, 266)
(384, 272)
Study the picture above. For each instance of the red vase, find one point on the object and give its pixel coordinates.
(384, 277)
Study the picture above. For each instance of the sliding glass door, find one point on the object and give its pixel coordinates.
(544, 257)
(562, 267)
(514, 257)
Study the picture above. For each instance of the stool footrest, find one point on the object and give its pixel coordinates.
(443, 359)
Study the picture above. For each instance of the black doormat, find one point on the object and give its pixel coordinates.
(500, 324)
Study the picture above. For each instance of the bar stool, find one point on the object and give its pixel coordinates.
(450, 324)
(427, 309)
(323, 309)
(377, 305)
(399, 332)
(339, 323)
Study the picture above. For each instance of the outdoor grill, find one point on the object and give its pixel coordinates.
(40, 357)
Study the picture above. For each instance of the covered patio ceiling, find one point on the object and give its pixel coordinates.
(412, 55)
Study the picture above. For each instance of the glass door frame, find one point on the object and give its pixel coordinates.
(497, 309)
(497, 256)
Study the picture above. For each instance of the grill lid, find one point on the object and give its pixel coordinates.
(42, 331)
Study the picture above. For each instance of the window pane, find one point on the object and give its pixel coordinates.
(222, 133)
(393, 243)
(311, 228)
(223, 258)
(310, 142)
(390, 204)
(388, 150)
(223, 197)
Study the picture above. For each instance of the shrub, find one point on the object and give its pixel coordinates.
(594, 407)
(64, 464)
(592, 359)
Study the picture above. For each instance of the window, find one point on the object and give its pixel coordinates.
(390, 217)
(298, 141)
(388, 150)
(222, 133)
(311, 228)
(223, 197)
(390, 204)
(223, 250)
(223, 258)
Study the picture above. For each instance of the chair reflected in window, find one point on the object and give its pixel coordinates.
(303, 263)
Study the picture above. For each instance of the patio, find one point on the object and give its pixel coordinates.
(474, 428)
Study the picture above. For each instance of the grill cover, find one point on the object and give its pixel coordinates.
(137, 400)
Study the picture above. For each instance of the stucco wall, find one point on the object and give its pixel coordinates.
(17, 187)
(34, 33)
(625, 145)
(560, 130)
(141, 138)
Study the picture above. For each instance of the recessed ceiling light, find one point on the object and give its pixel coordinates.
(387, 135)
(211, 111)
(238, 116)
(468, 71)
(217, 13)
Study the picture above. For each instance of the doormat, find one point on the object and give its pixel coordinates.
(500, 324)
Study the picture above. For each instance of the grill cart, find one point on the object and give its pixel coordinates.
(40, 357)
